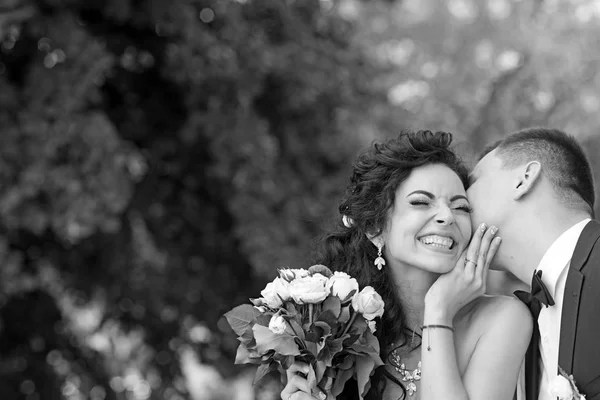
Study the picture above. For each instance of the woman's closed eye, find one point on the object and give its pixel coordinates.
(464, 207)
(419, 202)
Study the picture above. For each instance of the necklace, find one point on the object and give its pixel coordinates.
(405, 375)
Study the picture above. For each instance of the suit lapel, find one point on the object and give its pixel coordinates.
(568, 324)
(572, 295)
(584, 246)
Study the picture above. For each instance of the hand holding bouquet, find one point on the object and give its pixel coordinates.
(314, 316)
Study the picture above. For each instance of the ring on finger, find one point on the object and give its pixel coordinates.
(469, 261)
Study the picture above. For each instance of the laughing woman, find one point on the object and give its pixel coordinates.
(440, 336)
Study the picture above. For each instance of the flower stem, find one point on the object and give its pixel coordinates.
(350, 323)
(310, 314)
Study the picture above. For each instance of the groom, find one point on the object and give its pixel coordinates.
(536, 185)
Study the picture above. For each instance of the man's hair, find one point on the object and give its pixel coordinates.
(562, 158)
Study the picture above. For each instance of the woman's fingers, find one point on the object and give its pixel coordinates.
(490, 256)
(296, 367)
(297, 387)
(484, 250)
(485, 246)
(297, 396)
(473, 250)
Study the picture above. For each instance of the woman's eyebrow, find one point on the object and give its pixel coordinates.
(423, 192)
(458, 197)
(432, 196)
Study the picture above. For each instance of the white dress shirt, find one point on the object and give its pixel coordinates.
(554, 267)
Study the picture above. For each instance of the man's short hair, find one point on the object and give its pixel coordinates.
(563, 162)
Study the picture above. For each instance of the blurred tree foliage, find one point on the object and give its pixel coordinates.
(482, 69)
(159, 159)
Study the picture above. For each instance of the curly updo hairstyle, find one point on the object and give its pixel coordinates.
(376, 175)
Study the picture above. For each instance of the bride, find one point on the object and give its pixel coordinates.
(440, 336)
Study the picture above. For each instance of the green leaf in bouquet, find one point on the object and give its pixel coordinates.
(263, 370)
(365, 365)
(367, 344)
(263, 319)
(333, 304)
(291, 309)
(267, 357)
(311, 348)
(320, 371)
(372, 341)
(339, 382)
(312, 336)
(362, 346)
(247, 338)
(300, 343)
(284, 361)
(266, 340)
(321, 328)
(347, 362)
(241, 318)
(344, 315)
(258, 302)
(329, 318)
(331, 348)
(311, 377)
(359, 326)
(349, 339)
(243, 356)
(296, 328)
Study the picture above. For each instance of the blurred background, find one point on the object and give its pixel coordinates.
(159, 159)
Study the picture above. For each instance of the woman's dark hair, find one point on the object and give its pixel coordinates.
(376, 175)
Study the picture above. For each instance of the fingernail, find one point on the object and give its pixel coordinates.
(498, 239)
(483, 227)
(322, 396)
(494, 229)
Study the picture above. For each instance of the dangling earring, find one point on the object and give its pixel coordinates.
(379, 261)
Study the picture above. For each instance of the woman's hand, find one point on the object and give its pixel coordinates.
(465, 282)
(298, 385)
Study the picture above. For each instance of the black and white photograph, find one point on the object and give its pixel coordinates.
(299, 199)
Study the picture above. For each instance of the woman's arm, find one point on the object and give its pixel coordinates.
(494, 366)
(495, 362)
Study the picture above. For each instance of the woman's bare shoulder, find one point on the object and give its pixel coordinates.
(501, 311)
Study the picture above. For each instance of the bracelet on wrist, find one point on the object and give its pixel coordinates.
(434, 326)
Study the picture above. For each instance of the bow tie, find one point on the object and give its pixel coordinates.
(539, 295)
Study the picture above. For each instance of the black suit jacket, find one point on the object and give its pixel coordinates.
(579, 349)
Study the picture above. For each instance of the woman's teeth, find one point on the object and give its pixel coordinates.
(437, 241)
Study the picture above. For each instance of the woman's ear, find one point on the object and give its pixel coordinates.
(527, 178)
(376, 240)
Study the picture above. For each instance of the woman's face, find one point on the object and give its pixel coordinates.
(429, 225)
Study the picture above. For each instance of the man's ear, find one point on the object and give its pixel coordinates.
(527, 178)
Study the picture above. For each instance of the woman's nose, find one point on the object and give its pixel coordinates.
(444, 216)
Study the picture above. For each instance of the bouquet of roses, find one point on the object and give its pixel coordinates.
(314, 316)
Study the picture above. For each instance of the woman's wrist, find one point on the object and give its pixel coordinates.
(437, 315)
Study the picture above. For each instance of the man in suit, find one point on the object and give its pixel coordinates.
(536, 186)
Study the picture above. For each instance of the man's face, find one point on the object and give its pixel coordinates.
(490, 192)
